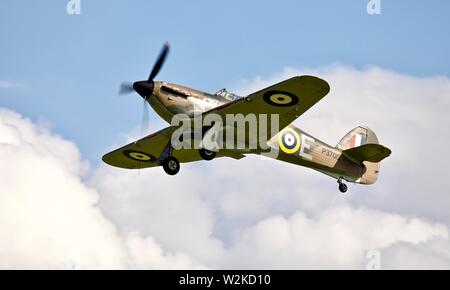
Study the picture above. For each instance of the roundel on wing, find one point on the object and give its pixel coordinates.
(280, 98)
(139, 156)
(289, 141)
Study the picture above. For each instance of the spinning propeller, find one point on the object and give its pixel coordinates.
(145, 88)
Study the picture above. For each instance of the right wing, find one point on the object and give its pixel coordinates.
(142, 153)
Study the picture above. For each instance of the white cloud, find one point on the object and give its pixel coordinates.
(147, 254)
(409, 115)
(48, 217)
(240, 214)
(155, 204)
(276, 227)
(338, 238)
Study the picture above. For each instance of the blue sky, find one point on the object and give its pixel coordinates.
(69, 67)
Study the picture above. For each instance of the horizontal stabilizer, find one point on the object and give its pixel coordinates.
(368, 152)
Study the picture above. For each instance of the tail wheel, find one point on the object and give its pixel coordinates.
(343, 187)
(207, 155)
(171, 165)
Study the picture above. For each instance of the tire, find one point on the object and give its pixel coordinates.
(207, 155)
(343, 187)
(171, 165)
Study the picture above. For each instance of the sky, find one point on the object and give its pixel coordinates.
(68, 67)
(60, 112)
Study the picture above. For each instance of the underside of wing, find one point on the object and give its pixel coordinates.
(142, 153)
(147, 152)
(288, 99)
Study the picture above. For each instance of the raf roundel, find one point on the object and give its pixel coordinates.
(289, 141)
(280, 99)
(139, 156)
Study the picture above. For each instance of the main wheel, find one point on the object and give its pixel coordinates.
(343, 187)
(171, 165)
(206, 154)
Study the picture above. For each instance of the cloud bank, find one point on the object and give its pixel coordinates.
(55, 212)
(49, 217)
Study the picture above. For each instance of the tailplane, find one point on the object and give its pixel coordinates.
(361, 146)
(367, 152)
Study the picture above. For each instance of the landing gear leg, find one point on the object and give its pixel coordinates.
(342, 185)
(170, 164)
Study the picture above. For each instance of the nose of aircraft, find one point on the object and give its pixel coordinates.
(144, 88)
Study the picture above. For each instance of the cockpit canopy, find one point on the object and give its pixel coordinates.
(226, 95)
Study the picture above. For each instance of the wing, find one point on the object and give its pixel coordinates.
(146, 152)
(289, 99)
(142, 153)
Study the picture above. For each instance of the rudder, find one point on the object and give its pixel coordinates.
(357, 137)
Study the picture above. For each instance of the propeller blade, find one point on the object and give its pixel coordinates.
(145, 88)
(159, 62)
(126, 88)
(145, 118)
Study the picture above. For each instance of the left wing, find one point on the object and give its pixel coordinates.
(146, 152)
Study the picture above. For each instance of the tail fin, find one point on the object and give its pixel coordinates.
(361, 145)
(357, 137)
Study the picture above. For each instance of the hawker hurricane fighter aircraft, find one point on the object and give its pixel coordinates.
(356, 158)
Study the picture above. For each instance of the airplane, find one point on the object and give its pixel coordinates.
(355, 159)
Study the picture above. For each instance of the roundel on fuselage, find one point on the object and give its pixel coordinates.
(289, 141)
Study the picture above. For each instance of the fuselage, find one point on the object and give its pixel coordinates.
(170, 99)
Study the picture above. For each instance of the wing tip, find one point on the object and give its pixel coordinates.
(323, 84)
(110, 160)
